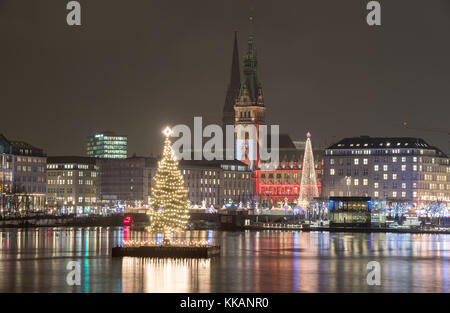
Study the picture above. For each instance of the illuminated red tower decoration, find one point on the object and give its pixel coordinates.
(249, 108)
(308, 186)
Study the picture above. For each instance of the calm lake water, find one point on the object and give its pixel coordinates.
(35, 260)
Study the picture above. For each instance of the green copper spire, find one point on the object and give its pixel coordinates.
(250, 58)
(251, 83)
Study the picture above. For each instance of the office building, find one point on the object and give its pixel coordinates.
(72, 185)
(126, 181)
(107, 145)
(217, 183)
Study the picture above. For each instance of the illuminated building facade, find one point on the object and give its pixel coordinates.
(276, 186)
(22, 177)
(217, 183)
(6, 170)
(107, 145)
(211, 183)
(402, 171)
(350, 211)
(72, 184)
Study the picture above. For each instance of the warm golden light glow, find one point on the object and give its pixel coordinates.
(167, 131)
(169, 207)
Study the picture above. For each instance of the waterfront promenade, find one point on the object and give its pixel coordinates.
(234, 220)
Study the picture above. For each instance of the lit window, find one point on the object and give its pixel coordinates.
(385, 176)
(403, 168)
(394, 194)
(375, 194)
(385, 167)
(394, 176)
(356, 182)
(331, 171)
(394, 159)
(356, 161)
(375, 168)
(365, 161)
(376, 185)
(365, 181)
(403, 194)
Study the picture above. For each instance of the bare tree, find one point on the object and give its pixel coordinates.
(20, 199)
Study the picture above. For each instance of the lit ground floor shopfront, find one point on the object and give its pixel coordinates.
(350, 211)
(21, 203)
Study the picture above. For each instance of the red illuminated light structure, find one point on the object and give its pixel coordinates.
(127, 220)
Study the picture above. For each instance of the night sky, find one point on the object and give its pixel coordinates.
(135, 66)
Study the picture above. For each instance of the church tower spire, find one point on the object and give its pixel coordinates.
(250, 106)
(233, 87)
(249, 109)
(250, 67)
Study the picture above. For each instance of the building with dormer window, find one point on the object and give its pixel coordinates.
(400, 170)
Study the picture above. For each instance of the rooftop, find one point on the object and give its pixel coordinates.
(213, 163)
(106, 133)
(19, 147)
(366, 142)
(70, 159)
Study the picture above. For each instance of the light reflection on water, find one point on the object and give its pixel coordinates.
(34, 260)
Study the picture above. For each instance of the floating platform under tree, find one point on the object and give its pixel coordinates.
(166, 251)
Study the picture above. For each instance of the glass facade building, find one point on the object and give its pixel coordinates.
(107, 145)
(350, 211)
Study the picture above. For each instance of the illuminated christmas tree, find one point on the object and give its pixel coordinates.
(168, 204)
(308, 187)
